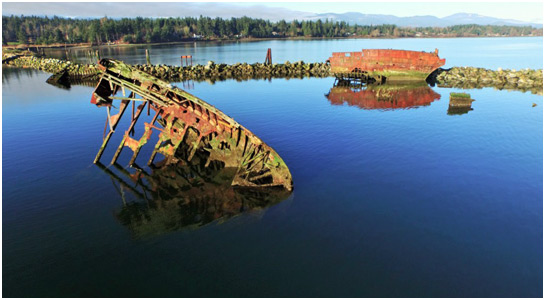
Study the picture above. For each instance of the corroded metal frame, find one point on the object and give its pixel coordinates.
(184, 118)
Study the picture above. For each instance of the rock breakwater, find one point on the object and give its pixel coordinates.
(51, 65)
(458, 77)
(215, 71)
(469, 78)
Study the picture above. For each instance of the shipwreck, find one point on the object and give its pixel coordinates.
(382, 65)
(186, 125)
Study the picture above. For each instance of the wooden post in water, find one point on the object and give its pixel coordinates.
(186, 62)
(98, 55)
(268, 58)
(147, 57)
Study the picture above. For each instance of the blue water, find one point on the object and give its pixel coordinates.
(387, 203)
(490, 53)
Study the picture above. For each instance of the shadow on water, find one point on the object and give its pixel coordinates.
(387, 96)
(16, 73)
(66, 84)
(183, 195)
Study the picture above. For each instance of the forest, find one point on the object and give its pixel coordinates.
(34, 30)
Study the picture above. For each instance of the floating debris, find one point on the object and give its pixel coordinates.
(60, 79)
(459, 104)
(185, 119)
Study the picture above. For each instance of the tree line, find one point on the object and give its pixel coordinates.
(55, 30)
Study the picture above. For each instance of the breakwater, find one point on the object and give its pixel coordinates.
(237, 71)
(471, 78)
(76, 71)
(458, 77)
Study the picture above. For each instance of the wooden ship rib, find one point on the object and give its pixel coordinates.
(183, 118)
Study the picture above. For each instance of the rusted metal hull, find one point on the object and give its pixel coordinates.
(386, 64)
(181, 118)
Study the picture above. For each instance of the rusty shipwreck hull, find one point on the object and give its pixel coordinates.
(183, 119)
(385, 64)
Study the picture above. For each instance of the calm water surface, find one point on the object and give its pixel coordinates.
(491, 53)
(388, 201)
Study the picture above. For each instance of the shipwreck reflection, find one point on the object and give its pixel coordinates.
(385, 96)
(177, 196)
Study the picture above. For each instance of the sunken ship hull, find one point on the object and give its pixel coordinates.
(187, 126)
(385, 64)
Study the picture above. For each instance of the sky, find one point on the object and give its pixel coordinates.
(522, 11)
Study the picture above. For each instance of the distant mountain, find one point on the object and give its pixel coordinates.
(464, 18)
(420, 21)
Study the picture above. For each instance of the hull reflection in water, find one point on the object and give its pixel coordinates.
(178, 196)
(385, 96)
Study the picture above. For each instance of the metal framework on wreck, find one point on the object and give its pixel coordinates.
(185, 119)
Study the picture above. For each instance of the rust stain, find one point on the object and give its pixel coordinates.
(187, 125)
(392, 64)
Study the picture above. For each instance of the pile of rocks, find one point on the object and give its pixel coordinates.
(52, 65)
(468, 77)
(237, 71)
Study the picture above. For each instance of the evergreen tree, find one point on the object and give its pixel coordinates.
(41, 30)
(21, 37)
